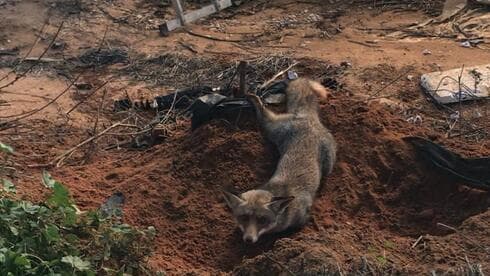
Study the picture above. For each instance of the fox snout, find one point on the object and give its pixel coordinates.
(250, 234)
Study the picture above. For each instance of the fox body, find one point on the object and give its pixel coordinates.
(307, 151)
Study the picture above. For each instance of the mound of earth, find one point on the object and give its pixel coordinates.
(379, 199)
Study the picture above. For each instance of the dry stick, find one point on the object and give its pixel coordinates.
(40, 57)
(417, 241)
(219, 39)
(375, 95)
(363, 44)
(28, 52)
(283, 266)
(465, 237)
(96, 124)
(103, 39)
(59, 160)
(32, 112)
(267, 83)
(187, 46)
(164, 120)
(90, 95)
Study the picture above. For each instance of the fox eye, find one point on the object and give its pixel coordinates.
(262, 220)
(243, 218)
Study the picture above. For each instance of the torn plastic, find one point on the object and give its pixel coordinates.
(112, 207)
(473, 172)
(206, 103)
(180, 99)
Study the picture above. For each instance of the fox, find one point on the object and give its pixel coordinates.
(307, 151)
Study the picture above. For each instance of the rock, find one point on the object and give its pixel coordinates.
(426, 52)
(466, 44)
(444, 86)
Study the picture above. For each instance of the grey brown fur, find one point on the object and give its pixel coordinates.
(307, 152)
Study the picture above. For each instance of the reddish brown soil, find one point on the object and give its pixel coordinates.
(376, 203)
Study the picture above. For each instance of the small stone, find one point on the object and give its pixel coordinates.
(466, 44)
(410, 77)
(427, 52)
(346, 64)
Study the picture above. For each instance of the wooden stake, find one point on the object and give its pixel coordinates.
(242, 71)
(179, 11)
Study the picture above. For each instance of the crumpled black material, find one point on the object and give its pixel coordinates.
(473, 172)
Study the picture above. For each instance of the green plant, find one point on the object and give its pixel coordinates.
(55, 238)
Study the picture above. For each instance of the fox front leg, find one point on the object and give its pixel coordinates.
(264, 115)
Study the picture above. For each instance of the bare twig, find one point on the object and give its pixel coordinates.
(32, 112)
(417, 241)
(474, 243)
(59, 160)
(28, 52)
(375, 95)
(88, 96)
(447, 227)
(39, 58)
(363, 44)
(219, 39)
(188, 47)
(276, 76)
(283, 266)
(93, 145)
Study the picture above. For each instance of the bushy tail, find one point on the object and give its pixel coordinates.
(302, 95)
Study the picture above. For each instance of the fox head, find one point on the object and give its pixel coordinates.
(257, 212)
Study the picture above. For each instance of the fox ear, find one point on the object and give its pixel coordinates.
(232, 200)
(279, 204)
(319, 89)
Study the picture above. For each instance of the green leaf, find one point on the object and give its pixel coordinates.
(29, 207)
(76, 262)
(48, 180)
(22, 261)
(51, 233)
(70, 216)
(60, 196)
(381, 260)
(14, 230)
(6, 148)
(72, 238)
(8, 186)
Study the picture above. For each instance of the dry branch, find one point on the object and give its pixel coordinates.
(28, 52)
(18, 77)
(59, 160)
(276, 76)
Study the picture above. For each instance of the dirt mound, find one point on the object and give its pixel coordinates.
(378, 198)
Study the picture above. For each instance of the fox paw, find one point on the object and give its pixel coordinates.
(254, 99)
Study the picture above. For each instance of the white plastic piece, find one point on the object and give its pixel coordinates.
(447, 87)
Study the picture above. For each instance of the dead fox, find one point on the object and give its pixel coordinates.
(307, 151)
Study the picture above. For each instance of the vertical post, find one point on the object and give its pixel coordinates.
(179, 11)
(216, 5)
(242, 71)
